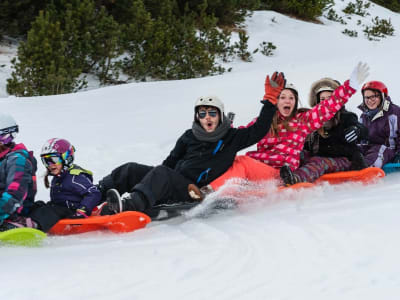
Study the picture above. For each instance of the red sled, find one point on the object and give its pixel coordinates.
(123, 222)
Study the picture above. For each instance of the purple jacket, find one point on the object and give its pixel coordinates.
(384, 136)
(74, 188)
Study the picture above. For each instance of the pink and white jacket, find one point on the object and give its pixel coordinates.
(285, 148)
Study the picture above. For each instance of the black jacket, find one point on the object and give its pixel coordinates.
(335, 144)
(202, 162)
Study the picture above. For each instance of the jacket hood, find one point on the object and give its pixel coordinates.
(327, 82)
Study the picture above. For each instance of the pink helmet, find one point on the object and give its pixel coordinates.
(60, 148)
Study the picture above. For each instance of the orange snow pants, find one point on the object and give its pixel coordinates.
(248, 168)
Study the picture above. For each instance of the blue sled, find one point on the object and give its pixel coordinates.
(391, 168)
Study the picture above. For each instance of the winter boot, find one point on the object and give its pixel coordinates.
(288, 177)
(18, 222)
(357, 161)
(114, 202)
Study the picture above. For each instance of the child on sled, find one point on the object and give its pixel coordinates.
(17, 177)
(72, 193)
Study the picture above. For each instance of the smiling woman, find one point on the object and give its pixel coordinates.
(382, 118)
(285, 140)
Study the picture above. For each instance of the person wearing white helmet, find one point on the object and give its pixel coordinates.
(201, 154)
(17, 177)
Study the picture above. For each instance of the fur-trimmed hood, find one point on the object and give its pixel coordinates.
(324, 82)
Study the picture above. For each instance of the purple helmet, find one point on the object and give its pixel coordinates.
(60, 148)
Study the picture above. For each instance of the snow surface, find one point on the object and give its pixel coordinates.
(329, 242)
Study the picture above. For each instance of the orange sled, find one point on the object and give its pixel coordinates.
(367, 175)
(123, 222)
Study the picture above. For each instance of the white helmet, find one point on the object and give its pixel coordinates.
(8, 128)
(210, 101)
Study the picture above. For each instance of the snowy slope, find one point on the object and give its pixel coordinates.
(324, 243)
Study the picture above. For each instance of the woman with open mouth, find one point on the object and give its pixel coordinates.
(285, 140)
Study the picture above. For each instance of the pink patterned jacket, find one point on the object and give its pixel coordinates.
(285, 148)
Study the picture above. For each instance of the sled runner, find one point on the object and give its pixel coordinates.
(22, 237)
(123, 222)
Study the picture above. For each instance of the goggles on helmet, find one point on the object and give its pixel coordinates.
(51, 159)
(11, 129)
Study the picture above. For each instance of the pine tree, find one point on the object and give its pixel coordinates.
(16, 16)
(135, 34)
(44, 66)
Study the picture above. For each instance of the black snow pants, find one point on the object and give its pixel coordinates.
(124, 178)
(148, 186)
(47, 215)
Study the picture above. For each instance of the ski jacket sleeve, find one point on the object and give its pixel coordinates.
(314, 118)
(257, 128)
(84, 187)
(18, 175)
(176, 154)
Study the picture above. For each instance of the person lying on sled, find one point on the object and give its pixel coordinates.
(290, 126)
(17, 177)
(331, 148)
(72, 193)
(201, 154)
(382, 118)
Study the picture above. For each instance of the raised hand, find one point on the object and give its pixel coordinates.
(274, 86)
(359, 74)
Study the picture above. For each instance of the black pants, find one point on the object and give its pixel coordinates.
(47, 215)
(124, 178)
(147, 185)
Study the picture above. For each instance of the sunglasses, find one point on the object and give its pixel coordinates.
(211, 113)
(50, 159)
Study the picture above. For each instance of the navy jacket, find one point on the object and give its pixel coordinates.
(74, 188)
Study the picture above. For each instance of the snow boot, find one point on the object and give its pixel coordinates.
(18, 222)
(288, 177)
(357, 161)
(114, 202)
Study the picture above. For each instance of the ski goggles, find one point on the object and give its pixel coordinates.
(51, 159)
(8, 130)
(203, 113)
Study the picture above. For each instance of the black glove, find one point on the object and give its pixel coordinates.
(351, 134)
(396, 158)
(80, 213)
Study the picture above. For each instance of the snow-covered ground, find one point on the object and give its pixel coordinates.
(329, 242)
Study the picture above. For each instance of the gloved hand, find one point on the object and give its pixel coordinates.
(359, 74)
(274, 86)
(351, 134)
(80, 213)
(396, 158)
